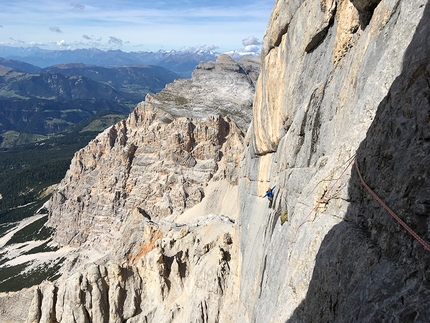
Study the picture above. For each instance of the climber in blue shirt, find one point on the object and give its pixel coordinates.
(269, 194)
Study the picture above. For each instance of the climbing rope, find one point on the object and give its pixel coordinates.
(376, 197)
(403, 224)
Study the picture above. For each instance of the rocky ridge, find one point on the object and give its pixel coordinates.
(153, 161)
(160, 168)
(122, 208)
(188, 267)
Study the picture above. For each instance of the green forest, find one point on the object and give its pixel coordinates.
(25, 171)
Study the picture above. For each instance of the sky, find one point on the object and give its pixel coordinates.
(135, 25)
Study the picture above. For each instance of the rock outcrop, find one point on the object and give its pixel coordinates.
(225, 86)
(142, 163)
(156, 161)
(159, 273)
(342, 99)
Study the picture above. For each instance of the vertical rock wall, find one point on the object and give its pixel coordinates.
(331, 70)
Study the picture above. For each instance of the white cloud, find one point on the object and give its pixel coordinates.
(93, 38)
(62, 43)
(77, 6)
(19, 41)
(115, 41)
(202, 47)
(55, 30)
(252, 49)
(32, 43)
(207, 47)
(251, 40)
(252, 45)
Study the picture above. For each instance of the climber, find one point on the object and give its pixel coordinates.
(269, 194)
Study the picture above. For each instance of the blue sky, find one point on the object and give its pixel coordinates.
(134, 25)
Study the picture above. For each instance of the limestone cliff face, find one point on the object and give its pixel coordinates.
(142, 163)
(338, 78)
(155, 160)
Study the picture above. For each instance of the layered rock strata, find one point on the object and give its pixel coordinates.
(225, 86)
(161, 158)
(142, 163)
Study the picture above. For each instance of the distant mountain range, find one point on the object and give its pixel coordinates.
(46, 92)
(137, 79)
(182, 62)
(57, 98)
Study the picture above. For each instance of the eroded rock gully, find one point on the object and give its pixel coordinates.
(187, 267)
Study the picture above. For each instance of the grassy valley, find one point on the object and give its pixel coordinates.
(27, 171)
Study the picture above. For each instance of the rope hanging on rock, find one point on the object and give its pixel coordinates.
(349, 162)
(403, 224)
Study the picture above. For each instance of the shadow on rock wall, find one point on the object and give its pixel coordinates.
(369, 269)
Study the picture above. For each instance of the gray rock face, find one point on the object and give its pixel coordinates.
(361, 88)
(13, 306)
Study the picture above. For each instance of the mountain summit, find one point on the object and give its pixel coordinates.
(183, 62)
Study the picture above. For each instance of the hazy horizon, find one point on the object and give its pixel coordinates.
(130, 26)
